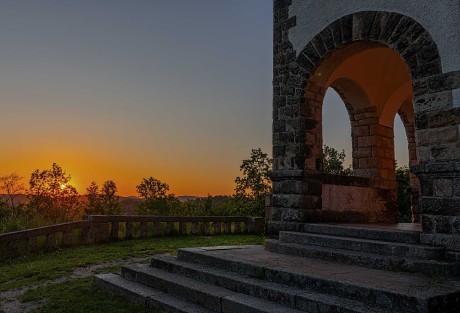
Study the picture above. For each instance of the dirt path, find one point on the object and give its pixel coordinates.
(10, 298)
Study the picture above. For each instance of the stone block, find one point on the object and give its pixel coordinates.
(378, 26)
(360, 131)
(443, 224)
(336, 32)
(441, 118)
(347, 28)
(428, 223)
(445, 152)
(433, 102)
(390, 26)
(274, 227)
(404, 24)
(435, 136)
(426, 187)
(290, 187)
(319, 45)
(423, 154)
(456, 225)
(440, 206)
(456, 98)
(370, 141)
(362, 24)
(368, 163)
(368, 121)
(457, 187)
(427, 55)
(288, 215)
(444, 81)
(328, 39)
(443, 187)
(362, 153)
(450, 241)
(409, 37)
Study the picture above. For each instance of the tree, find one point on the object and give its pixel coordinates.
(152, 188)
(109, 199)
(12, 186)
(404, 197)
(52, 197)
(255, 183)
(104, 201)
(156, 201)
(93, 201)
(333, 162)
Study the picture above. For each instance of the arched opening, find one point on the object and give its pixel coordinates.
(362, 56)
(336, 128)
(375, 85)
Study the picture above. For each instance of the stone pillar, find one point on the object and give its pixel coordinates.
(297, 141)
(438, 149)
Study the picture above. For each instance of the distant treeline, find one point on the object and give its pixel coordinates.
(50, 198)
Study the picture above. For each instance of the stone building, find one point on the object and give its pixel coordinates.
(383, 58)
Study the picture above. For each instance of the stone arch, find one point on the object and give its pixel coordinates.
(299, 90)
(359, 32)
(399, 32)
(297, 95)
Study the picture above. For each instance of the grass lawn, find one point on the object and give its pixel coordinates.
(78, 295)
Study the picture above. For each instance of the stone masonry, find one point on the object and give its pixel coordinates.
(312, 42)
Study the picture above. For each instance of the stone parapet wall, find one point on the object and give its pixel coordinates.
(103, 228)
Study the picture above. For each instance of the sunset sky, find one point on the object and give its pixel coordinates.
(175, 89)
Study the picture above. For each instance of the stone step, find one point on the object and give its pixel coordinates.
(146, 296)
(369, 260)
(411, 251)
(299, 298)
(397, 292)
(363, 232)
(210, 296)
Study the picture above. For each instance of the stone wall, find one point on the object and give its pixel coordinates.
(349, 199)
(426, 36)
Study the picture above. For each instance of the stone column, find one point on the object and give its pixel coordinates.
(437, 108)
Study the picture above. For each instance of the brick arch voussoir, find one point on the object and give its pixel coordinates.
(399, 32)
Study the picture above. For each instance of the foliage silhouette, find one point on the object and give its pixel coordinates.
(254, 184)
(52, 197)
(333, 162)
(156, 201)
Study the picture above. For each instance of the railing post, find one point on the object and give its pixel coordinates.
(67, 238)
(114, 230)
(157, 228)
(237, 229)
(143, 230)
(32, 244)
(195, 227)
(104, 229)
(129, 230)
(183, 228)
(206, 228)
(228, 227)
(170, 228)
(259, 225)
(217, 228)
(13, 248)
(50, 241)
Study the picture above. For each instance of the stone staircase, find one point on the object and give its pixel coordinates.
(317, 269)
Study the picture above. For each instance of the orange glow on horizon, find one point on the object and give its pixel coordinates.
(183, 180)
